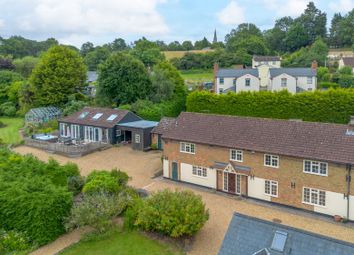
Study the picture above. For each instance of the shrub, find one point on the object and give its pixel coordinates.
(321, 106)
(154, 146)
(12, 242)
(97, 211)
(8, 109)
(34, 197)
(176, 214)
(75, 184)
(104, 181)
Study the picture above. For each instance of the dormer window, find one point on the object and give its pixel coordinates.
(279, 241)
(112, 117)
(83, 115)
(97, 116)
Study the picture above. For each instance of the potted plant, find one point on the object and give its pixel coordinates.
(337, 218)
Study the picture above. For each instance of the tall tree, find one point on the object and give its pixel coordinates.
(60, 73)
(118, 44)
(86, 48)
(96, 57)
(25, 65)
(187, 45)
(314, 22)
(122, 80)
(148, 52)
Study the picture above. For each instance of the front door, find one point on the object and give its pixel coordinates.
(232, 183)
(175, 171)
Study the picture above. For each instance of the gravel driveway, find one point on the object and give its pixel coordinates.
(141, 166)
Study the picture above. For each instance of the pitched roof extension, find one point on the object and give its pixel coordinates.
(248, 235)
(296, 72)
(223, 73)
(164, 124)
(312, 140)
(85, 117)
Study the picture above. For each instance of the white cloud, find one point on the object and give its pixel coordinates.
(89, 18)
(342, 6)
(232, 14)
(282, 8)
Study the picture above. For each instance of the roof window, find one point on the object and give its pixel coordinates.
(83, 115)
(112, 117)
(97, 116)
(279, 241)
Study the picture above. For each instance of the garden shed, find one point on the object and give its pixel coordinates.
(42, 115)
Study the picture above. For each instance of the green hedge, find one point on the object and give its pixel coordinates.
(34, 196)
(322, 106)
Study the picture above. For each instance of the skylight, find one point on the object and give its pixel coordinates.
(83, 115)
(279, 241)
(97, 116)
(112, 117)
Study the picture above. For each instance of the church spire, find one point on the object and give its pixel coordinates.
(215, 40)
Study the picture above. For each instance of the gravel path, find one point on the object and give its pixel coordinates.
(141, 167)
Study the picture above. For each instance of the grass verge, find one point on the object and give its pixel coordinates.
(10, 133)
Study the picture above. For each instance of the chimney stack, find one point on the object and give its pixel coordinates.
(216, 69)
(314, 65)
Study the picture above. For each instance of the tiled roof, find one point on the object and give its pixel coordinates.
(164, 124)
(266, 58)
(296, 72)
(237, 72)
(247, 235)
(348, 61)
(312, 140)
(85, 117)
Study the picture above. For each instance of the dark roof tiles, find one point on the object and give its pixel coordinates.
(237, 72)
(101, 121)
(348, 61)
(164, 124)
(312, 140)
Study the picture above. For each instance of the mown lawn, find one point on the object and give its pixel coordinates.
(10, 133)
(197, 77)
(120, 243)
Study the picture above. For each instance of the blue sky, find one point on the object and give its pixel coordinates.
(78, 21)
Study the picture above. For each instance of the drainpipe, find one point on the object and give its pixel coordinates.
(349, 177)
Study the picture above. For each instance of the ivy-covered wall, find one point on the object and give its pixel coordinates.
(334, 106)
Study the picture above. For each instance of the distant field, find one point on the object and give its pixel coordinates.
(10, 133)
(179, 54)
(195, 78)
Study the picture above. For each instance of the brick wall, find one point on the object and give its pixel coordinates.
(290, 170)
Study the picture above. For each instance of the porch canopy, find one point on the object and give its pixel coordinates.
(231, 167)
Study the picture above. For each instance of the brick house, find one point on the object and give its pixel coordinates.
(300, 164)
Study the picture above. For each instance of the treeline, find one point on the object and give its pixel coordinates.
(335, 106)
(298, 41)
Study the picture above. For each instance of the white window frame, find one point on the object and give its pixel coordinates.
(271, 185)
(118, 132)
(64, 130)
(284, 82)
(187, 148)
(248, 81)
(309, 80)
(225, 181)
(75, 132)
(313, 165)
(238, 155)
(137, 138)
(200, 171)
(221, 80)
(314, 194)
(272, 157)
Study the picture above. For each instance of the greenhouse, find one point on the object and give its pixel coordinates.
(42, 115)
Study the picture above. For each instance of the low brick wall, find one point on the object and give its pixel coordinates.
(66, 150)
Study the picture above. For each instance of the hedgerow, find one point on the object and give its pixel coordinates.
(34, 196)
(322, 106)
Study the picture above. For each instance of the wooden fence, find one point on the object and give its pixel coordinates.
(67, 150)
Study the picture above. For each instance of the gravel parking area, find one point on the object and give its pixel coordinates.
(222, 207)
(139, 165)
